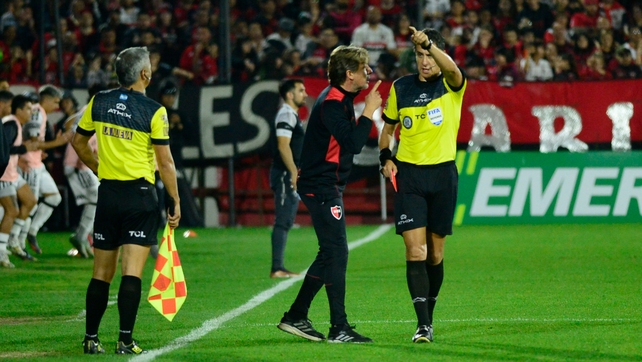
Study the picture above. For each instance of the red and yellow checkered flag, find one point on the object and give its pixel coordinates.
(168, 291)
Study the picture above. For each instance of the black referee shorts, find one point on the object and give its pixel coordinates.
(126, 213)
(426, 197)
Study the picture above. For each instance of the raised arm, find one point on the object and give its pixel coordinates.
(451, 72)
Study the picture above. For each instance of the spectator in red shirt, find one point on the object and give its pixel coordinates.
(183, 13)
(200, 58)
(505, 15)
(267, 18)
(512, 43)
(615, 12)
(390, 11)
(582, 50)
(595, 68)
(485, 48)
(586, 19)
(344, 20)
(19, 67)
(402, 34)
(456, 18)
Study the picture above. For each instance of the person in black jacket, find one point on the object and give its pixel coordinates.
(332, 138)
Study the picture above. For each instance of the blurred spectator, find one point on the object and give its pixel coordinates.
(267, 18)
(245, 61)
(282, 38)
(88, 34)
(133, 37)
(565, 68)
(472, 22)
(374, 36)
(434, 12)
(512, 43)
(128, 12)
(328, 41)
(176, 124)
(121, 29)
(200, 58)
(385, 67)
(9, 18)
(343, 20)
(402, 34)
(506, 14)
(583, 49)
(19, 67)
(26, 30)
(634, 44)
(163, 73)
(614, 12)
(626, 69)
(537, 16)
(586, 19)
(96, 75)
(305, 40)
(76, 77)
(595, 69)
(4, 84)
(504, 69)
(485, 47)
(256, 37)
(390, 11)
(534, 65)
(456, 17)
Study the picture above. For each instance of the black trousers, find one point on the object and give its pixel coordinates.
(332, 260)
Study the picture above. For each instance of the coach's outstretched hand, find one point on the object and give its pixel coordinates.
(373, 101)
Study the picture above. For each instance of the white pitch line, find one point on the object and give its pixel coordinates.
(474, 320)
(216, 323)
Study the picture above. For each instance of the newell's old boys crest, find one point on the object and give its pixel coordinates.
(336, 212)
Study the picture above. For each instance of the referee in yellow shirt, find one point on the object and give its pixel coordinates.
(131, 129)
(428, 106)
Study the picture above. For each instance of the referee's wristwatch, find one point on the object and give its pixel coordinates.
(427, 47)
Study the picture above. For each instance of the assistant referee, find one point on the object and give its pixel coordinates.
(428, 106)
(131, 129)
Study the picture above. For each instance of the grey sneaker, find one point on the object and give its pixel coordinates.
(134, 348)
(92, 347)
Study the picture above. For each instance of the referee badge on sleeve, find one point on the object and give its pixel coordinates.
(336, 212)
(407, 122)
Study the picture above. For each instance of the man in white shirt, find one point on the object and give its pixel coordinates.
(375, 37)
(535, 67)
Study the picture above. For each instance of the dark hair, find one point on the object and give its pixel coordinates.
(436, 37)
(287, 86)
(345, 58)
(19, 102)
(5, 96)
(49, 91)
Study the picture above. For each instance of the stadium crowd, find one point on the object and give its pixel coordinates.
(529, 40)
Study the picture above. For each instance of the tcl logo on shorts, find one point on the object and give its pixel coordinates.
(99, 236)
(137, 234)
(336, 212)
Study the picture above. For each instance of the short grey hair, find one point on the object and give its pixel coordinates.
(130, 63)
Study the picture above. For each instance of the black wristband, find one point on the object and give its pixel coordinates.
(385, 155)
(429, 45)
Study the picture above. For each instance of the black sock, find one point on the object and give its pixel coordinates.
(128, 301)
(436, 277)
(95, 304)
(418, 285)
(309, 289)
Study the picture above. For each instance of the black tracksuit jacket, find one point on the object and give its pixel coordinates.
(332, 139)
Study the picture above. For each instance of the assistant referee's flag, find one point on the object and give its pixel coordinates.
(168, 291)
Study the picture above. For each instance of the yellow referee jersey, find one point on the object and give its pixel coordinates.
(126, 124)
(429, 113)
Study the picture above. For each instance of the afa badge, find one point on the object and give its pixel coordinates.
(407, 122)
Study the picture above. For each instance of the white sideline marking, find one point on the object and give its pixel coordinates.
(474, 320)
(216, 323)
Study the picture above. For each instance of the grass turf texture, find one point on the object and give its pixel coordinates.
(513, 293)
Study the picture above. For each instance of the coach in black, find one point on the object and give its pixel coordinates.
(332, 139)
(284, 171)
(132, 131)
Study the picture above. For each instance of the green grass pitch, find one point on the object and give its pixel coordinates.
(514, 293)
